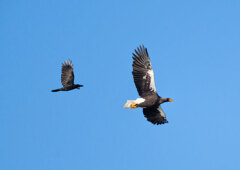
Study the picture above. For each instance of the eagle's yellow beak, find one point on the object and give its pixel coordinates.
(171, 100)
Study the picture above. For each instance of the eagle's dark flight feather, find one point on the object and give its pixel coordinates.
(142, 72)
(155, 115)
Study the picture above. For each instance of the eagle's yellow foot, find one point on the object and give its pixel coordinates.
(134, 105)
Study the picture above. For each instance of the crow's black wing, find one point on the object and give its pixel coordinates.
(67, 77)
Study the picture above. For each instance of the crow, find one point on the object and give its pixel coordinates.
(67, 77)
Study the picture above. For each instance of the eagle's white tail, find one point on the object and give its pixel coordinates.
(129, 104)
(133, 103)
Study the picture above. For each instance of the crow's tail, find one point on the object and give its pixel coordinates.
(56, 90)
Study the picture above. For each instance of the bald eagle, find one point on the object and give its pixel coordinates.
(67, 77)
(144, 80)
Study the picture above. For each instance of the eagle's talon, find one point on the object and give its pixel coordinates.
(134, 105)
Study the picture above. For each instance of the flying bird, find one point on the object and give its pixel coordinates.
(67, 77)
(143, 77)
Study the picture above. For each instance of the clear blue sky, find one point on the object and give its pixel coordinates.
(194, 48)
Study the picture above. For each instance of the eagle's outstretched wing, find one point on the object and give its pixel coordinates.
(67, 77)
(155, 115)
(142, 72)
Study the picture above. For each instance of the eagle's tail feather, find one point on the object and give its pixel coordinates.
(130, 104)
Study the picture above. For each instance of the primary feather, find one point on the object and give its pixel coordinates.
(142, 72)
(67, 77)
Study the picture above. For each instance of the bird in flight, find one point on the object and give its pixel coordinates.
(144, 80)
(67, 77)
